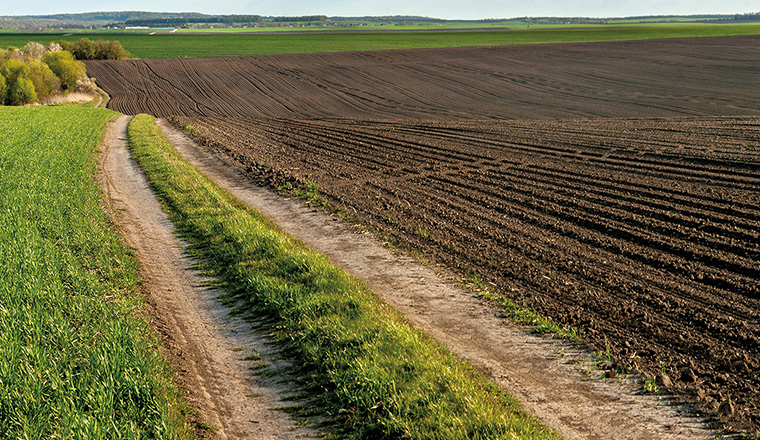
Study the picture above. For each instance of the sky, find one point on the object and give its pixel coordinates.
(449, 9)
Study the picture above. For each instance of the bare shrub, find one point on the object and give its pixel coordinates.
(34, 51)
(85, 85)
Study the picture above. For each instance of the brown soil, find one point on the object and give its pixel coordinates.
(554, 381)
(206, 345)
(698, 76)
(641, 233)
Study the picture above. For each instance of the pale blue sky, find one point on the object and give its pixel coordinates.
(465, 9)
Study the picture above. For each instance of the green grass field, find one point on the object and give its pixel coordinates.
(142, 45)
(75, 362)
(365, 368)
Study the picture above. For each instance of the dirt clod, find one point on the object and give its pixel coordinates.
(664, 381)
(726, 409)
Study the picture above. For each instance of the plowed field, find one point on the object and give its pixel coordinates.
(643, 233)
(706, 76)
(638, 222)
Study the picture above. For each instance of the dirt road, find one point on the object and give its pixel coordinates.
(206, 345)
(551, 378)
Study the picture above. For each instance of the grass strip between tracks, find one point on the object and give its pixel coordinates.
(365, 367)
(75, 361)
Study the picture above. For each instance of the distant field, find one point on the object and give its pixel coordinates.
(500, 25)
(143, 45)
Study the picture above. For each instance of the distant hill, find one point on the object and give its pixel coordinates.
(92, 20)
(87, 20)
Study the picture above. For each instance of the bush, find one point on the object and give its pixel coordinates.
(109, 50)
(22, 92)
(47, 71)
(85, 85)
(68, 70)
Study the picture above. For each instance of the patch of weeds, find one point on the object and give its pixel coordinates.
(651, 386)
(268, 372)
(421, 232)
(537, 323)
(252, 357)
(238, 349)
(304, 190)
(311, 194)
(259, 366)
(420, 258)
(663, 367)
(346, 217)
(203, 426)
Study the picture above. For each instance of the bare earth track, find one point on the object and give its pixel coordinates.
(203, 341)
(638, 223)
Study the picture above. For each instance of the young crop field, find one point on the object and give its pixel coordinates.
(617, 79)
(641, 233)
(75, 362)
(180, 45)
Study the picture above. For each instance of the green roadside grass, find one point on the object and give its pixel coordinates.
(179, 45)
(363, 366)
(75, 361)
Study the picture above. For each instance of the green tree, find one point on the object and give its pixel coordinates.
(22, 92)
(45, 82)
(3, 89)
(84, 49)
(65, 67)
(109, 50)
(14, 69)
